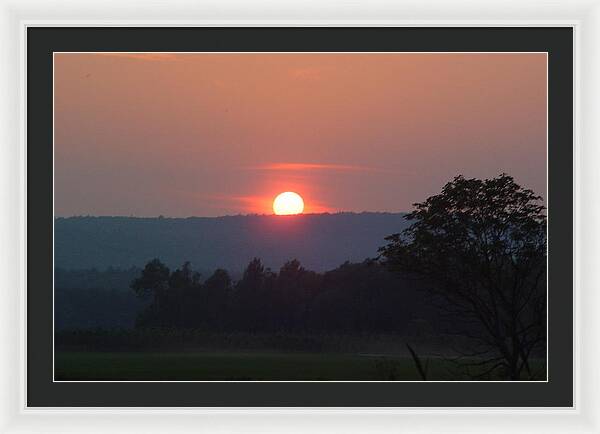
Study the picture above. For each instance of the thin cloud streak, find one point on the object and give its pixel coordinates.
(150, 57)
(315, 166)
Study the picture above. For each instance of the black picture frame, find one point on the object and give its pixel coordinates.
(42, 391)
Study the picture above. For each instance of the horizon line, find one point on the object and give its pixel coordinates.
(161, 216)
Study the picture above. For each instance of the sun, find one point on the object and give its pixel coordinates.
(288, 203)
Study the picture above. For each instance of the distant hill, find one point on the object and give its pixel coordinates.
(320, 241)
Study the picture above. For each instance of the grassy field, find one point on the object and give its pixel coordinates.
(215, 366)
(234, 366)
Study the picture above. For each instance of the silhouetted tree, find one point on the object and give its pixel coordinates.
(217, 290)
(154, 281)
(253, 277)
(481, 245)
(184, 285)
(295, 287)
(249, 297)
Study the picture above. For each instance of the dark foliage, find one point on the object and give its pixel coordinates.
(481, 246)
(362, 298)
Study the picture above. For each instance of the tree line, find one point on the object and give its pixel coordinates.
(354, 298)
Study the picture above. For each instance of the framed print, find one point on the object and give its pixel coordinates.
(303, 220)
(218, 225)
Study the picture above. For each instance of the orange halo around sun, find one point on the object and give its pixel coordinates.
(288, 203)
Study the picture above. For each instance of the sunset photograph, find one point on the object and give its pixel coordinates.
(250, 216)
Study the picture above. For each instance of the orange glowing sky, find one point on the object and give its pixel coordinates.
(216, 134)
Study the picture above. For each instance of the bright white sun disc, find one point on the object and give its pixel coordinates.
(288, 203)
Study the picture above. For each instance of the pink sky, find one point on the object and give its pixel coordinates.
(216, 134)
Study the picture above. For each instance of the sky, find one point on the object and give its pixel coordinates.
(221, 134)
